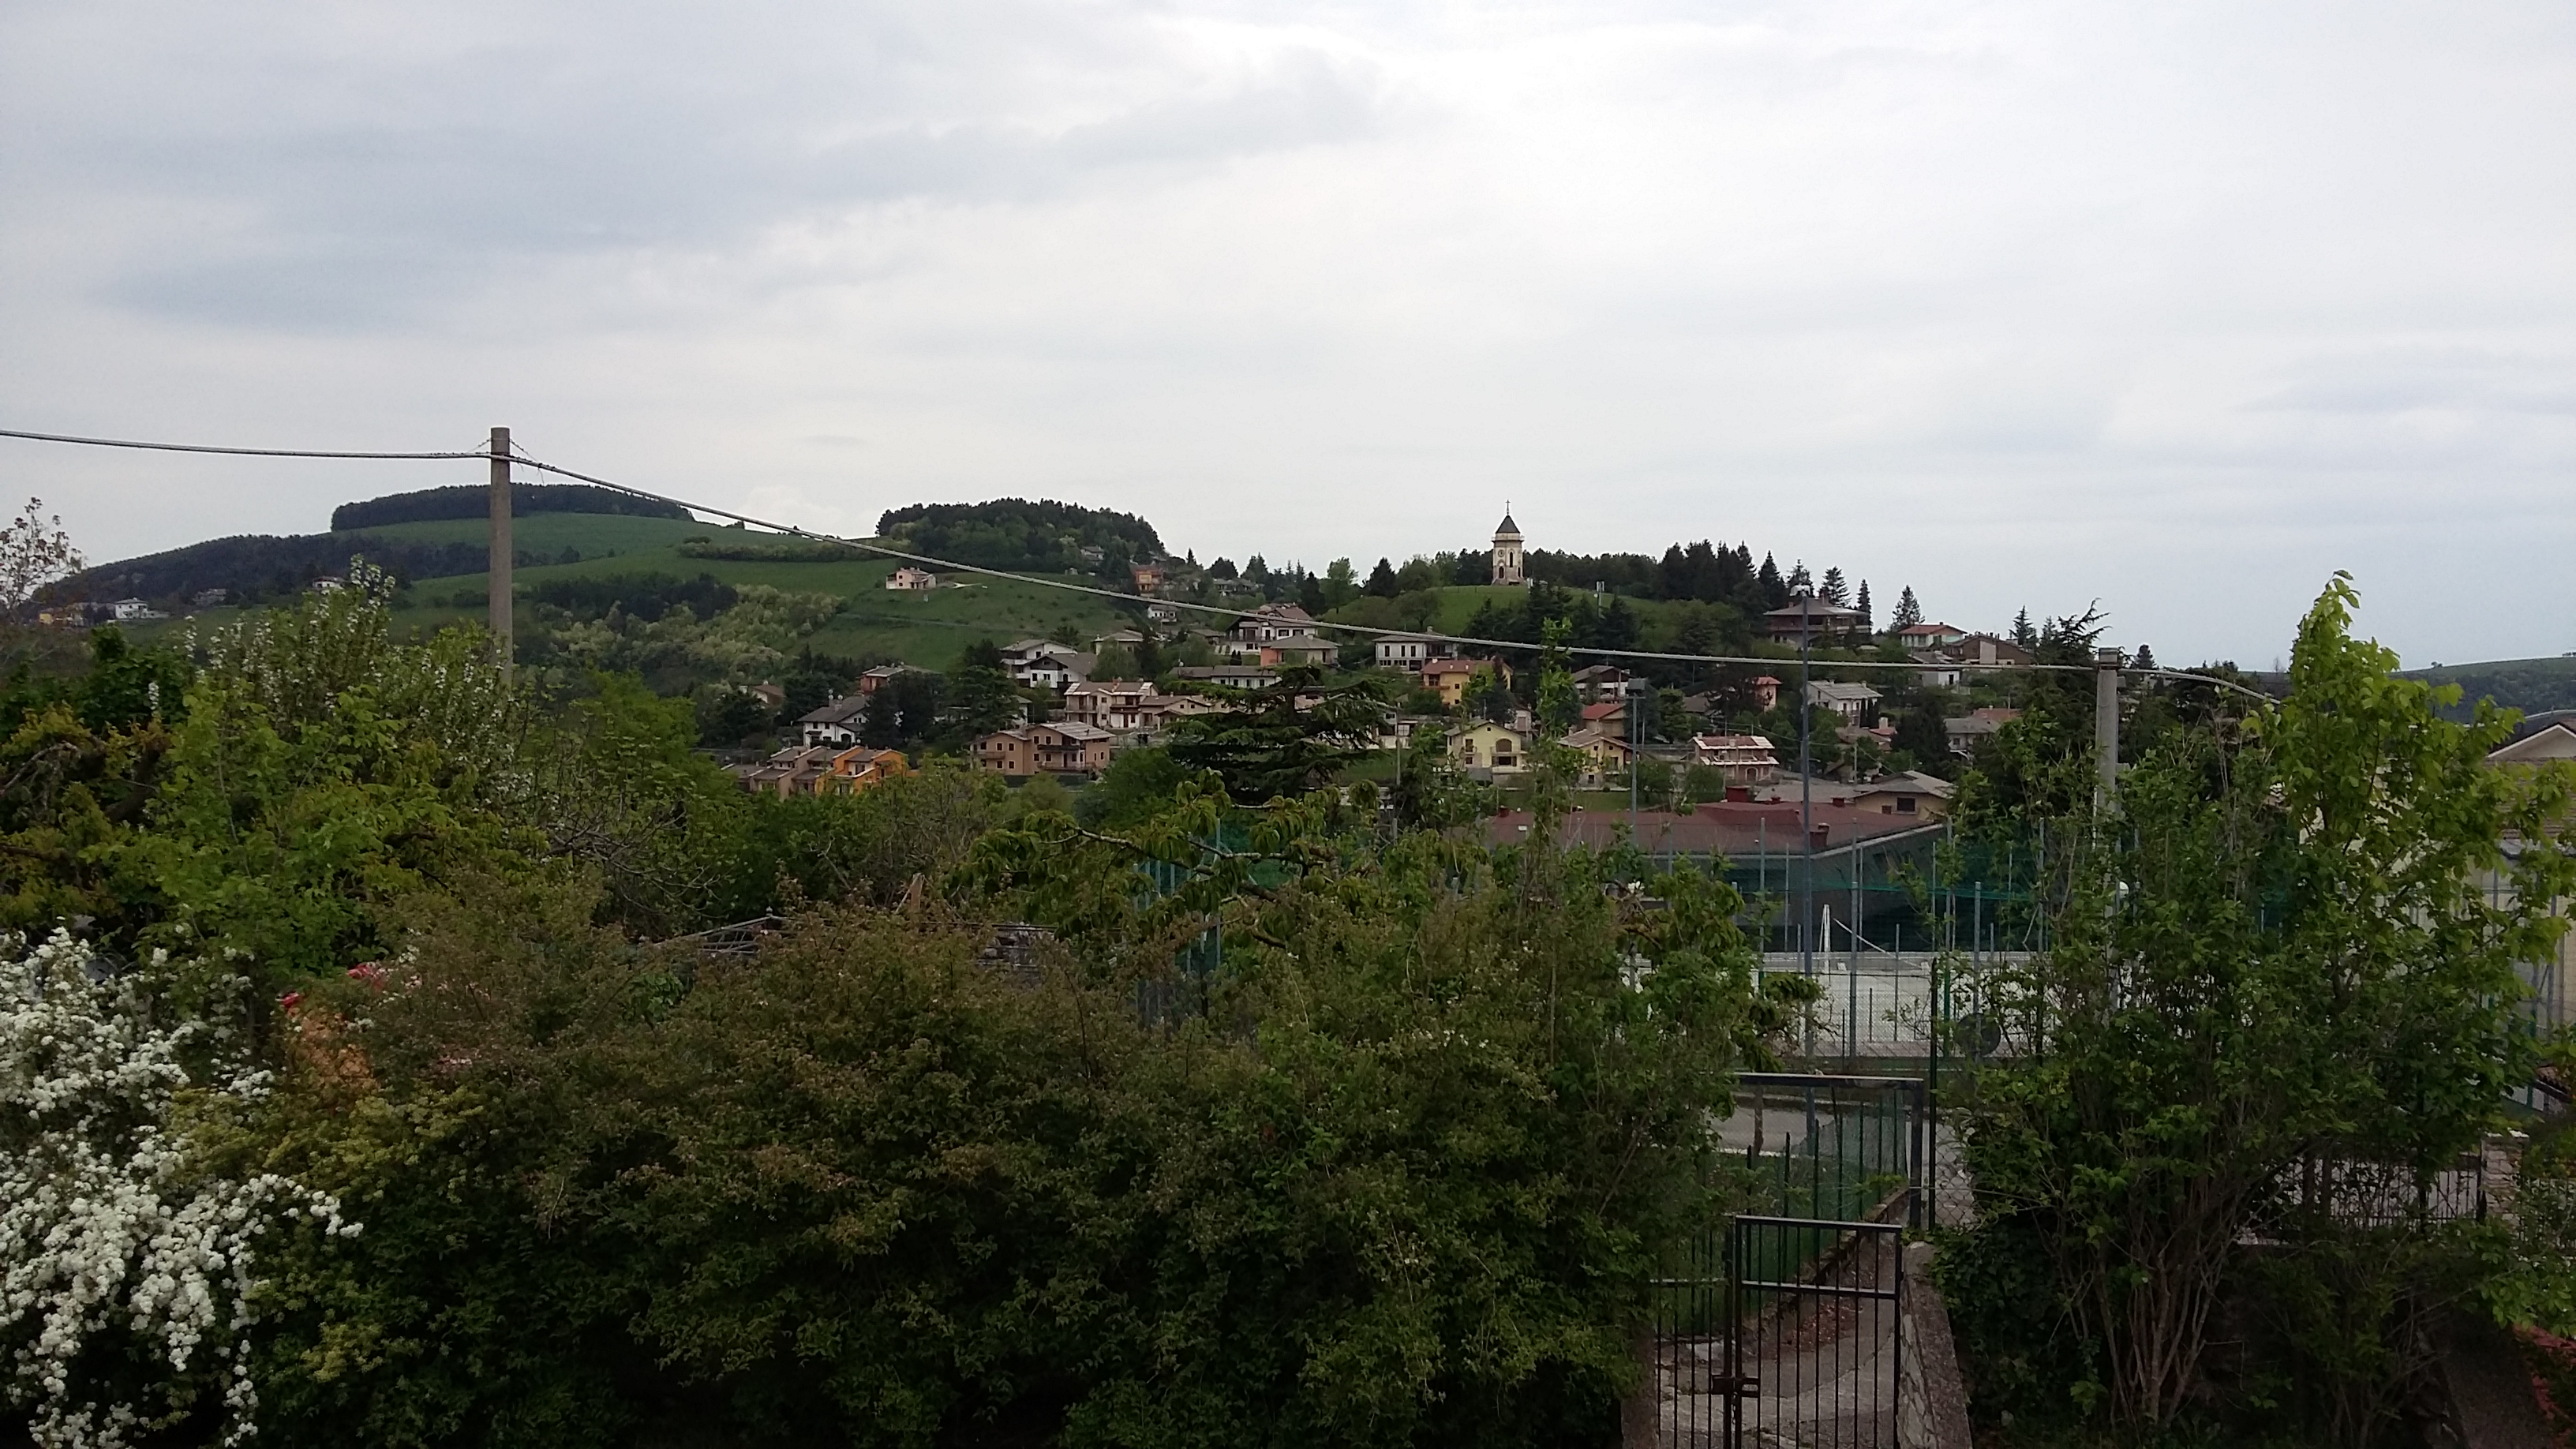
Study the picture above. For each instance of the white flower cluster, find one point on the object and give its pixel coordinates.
(103, 1222)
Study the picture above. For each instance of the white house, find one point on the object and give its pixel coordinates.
(911, 580)
(1850, 702)
(1410, 652)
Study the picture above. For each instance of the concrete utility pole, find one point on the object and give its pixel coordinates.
(1806, 808)
(2106, 728)
(502, 554)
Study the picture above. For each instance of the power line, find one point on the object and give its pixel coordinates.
(239, 452)
(1754, 659)
(517, 457)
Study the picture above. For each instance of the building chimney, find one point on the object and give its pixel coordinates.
(1821, 834)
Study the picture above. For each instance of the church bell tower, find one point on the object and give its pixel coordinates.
(1507, 551)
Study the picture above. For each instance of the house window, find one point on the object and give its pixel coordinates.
(1904, 804)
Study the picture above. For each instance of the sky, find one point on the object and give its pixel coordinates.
(2179, 307)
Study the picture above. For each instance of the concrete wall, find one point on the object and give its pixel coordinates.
(1931, 1398)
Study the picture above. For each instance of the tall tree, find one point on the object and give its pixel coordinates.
(1800, 581)
(2278, 998)
(1267, 746)
(982, 697)
(1833, 590)
(2024, 633)
(1862, 604)
(1773, 588)
(1381, 581)
(1908, 612)
(35, 553)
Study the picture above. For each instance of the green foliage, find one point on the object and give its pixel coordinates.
(981, 696)
(1138, 785)
(468, 501)
(2278, 994)
(1400, 1176)
(1267, 746)
(1012, 533)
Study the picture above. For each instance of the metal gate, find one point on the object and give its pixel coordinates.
(1817, 1310)
(1780, 1328)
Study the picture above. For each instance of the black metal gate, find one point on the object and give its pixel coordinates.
(1781, 1327)
(1817, 1310)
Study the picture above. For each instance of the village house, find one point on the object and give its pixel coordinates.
(1161, 613)
(1273, 623)
(835, 724)
(1946, 664)
(1600, 681)
(1851, 703)
(1974, 728)
(2552, 742)
(1608, 714)
(1920, 638)
(1310, 652)
(1043, 662)
(127, 611)
(1155, 718)
(1486, 749)
(1409, 652)
(1907, 792)
(1127, 639)
(769, 692)
(875, 679)
(910, 580)
(1115, 705)
(1744, 760)
(1149, 578)
(1817, 620)
(821, 770)
(1450, 678)
(1605, 752)
(1044, 749)
(1228, 676)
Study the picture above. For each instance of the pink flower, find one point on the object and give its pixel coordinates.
(290, 999)
(368, 972)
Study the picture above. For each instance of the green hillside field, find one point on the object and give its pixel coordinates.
(929, 630)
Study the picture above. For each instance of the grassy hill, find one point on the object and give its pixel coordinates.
(930, 630)
(2529, 685)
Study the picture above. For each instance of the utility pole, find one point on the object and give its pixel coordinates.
(502, 555)
(2106, 728)
(1806, 808)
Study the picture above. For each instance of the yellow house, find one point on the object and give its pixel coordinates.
(1452, 676)
(1604, 753)
(1486, 746)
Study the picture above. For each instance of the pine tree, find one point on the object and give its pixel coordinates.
(1862, 604)
(1800, 581)
(1381, 581)
(2023, 632)
(1834, 590)
(1775, 590)
(2145, 659)
(1908, 612)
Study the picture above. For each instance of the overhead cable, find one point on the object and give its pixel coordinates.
(517, 457)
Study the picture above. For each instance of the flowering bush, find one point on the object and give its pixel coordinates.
(126, 1268)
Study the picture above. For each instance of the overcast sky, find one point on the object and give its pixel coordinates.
(2179, 306)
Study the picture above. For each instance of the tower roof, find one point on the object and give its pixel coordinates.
(1507, 526)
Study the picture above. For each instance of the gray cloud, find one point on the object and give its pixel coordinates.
(2181, 306)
